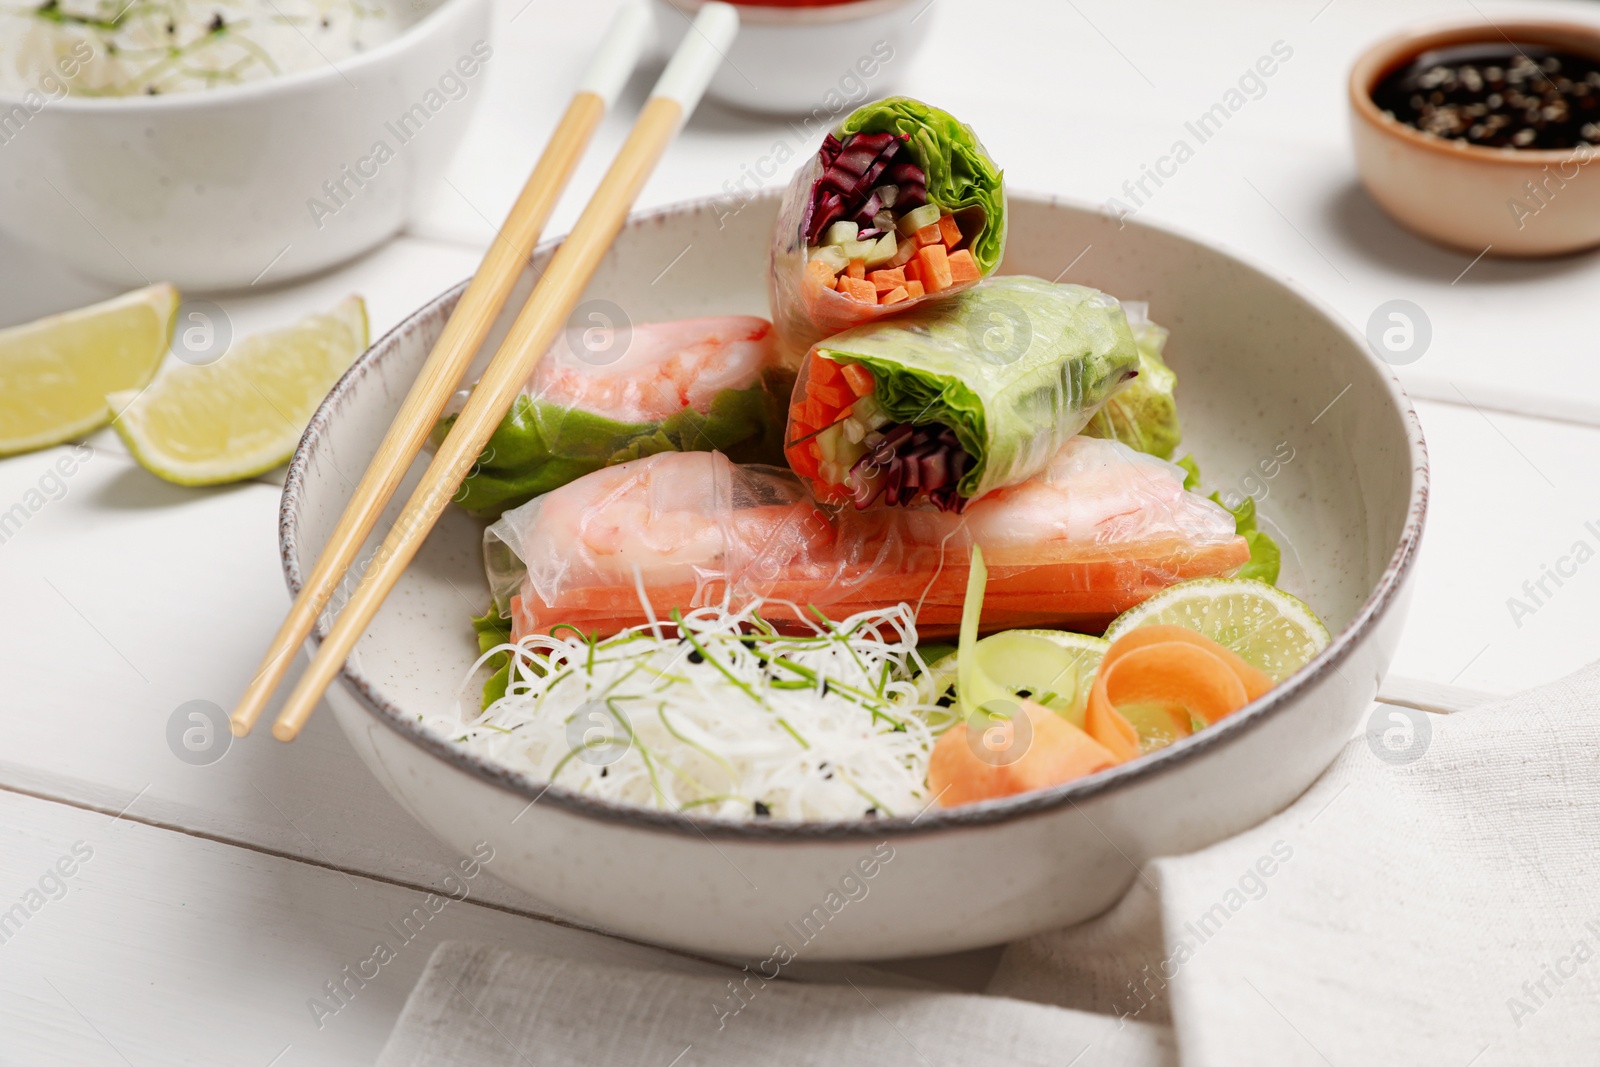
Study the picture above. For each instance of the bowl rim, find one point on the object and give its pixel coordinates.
(1387, 53)
(966, 817)
(830, 14)
(246, 92)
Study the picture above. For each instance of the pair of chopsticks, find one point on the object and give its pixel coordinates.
(674, 98)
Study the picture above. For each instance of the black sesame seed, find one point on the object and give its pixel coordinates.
(696, 657)
(1024, 693)
(872, 813)
(761, 809)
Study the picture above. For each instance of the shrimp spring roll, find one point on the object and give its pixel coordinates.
(1101, 529)
(959, 397)
(900, 205)
(605, 396)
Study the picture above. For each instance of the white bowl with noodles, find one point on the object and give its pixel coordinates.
(262, 181)
(1259, 364)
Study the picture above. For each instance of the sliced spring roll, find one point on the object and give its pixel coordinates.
(1100, 530)
(900, 205)
(601, 397)
(958, 398)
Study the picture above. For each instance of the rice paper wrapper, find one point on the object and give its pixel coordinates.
(601, 397)
(1100, 530)
(961, 179)
(1014, 367)
(1144, 413)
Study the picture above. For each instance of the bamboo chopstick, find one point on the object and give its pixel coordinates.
(553, 298)
(463, 334)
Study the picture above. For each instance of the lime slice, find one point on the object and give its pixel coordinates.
(1053, 667)
(55, 373)
(242, 415)
(1267, 627)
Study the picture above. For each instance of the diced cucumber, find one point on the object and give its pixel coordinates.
(884, 220)
(844, 232)
(905, 252)
(867, 411)
(884, 249)
(917, 218)
(828, 441)
(832, 255)
(887, 194)
(854, 429)
(858, 249)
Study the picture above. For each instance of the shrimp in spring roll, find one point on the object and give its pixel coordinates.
(958, 398)
(1101, 529)
(900, 206)
(604, 396)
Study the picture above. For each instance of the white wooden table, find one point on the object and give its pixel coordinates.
(215, 900)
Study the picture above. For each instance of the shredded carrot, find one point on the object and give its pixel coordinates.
(825, 371)
(914, 289)
(894, 296)
(949, 232)
(889, 279)
(963, 268)
(859, 379)
(859, 289)
(928, 235)
(1256, 682)
(964, 769)
(857, 269)
(834, 395)
(1186, 673)
(821, 273)
(934, 267)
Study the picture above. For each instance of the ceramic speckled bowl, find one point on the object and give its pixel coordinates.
(1269, 382)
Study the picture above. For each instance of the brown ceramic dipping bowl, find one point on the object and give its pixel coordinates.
(1512, 202)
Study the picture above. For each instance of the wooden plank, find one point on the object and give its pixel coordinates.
(150, 946)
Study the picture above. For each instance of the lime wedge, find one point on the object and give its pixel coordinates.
(242, 415)
(55, 373)
(1052, 667)
(1267, 627)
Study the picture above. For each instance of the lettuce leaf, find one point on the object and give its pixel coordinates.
(494, 630)
(1265, 557)
(1144, 413)
(540, 446)
(960, 174)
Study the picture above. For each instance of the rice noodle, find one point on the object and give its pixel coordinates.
(716, 715)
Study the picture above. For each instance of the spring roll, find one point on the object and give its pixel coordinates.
(1101, 529)
(958, 398)
(901, 205)
(605, 396)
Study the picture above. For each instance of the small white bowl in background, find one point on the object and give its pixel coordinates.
(802, 60)
(219, 188)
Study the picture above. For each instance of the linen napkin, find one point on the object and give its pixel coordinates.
(480, 1005)
(1433, 899)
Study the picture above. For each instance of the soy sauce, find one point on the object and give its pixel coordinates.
(1498, 96)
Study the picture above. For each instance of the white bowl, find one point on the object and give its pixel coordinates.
(1264, 372)
(216, 189)
(815, 61)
